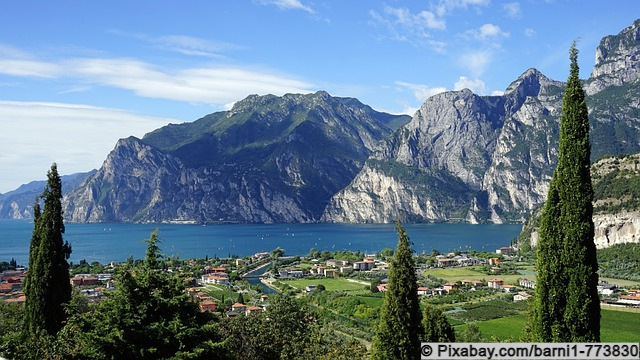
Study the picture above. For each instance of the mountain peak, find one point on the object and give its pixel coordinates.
(616, 61)
(527, 84)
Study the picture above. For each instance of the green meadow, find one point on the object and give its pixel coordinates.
(330, 284)
(616, 326)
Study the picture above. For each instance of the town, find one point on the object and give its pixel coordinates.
(239, 286)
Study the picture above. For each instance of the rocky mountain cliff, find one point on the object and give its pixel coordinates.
(465, 157)
(268, 159)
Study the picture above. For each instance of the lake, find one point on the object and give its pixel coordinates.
(116, 242)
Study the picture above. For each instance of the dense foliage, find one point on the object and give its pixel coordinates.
(400, 325)
(621, 261)
(436, 326)
(619, 188)
(149, 316)
(567, 307)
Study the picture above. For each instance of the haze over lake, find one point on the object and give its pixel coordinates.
(116, 242)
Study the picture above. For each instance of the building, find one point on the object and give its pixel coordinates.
(449, 287)
(445, 262)
(508, 288)
(494, 261)
(253, 309)
(238, 308)
(506, 250)
(362, 265)
(217, 279)
(527, 284)
(337, 263)
(473, 283)
(521, 296)
(605, 288)
(330, 273)
(423, 291)
(495, 283)
(209, 306)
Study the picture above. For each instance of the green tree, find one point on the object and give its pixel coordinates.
(47, 286)
(567, 308)
(149, 316)
(399, 328)
(471, 334)
(279, 333)
(436, 326)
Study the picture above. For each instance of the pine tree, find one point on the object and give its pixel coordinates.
(149, 315)
(399, 328)
(47, 285)
(436, 326)
(567, 308)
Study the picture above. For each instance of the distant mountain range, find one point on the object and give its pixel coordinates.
(18, 204)
(309, 158)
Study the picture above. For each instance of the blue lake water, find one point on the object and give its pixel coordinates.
(116, 242)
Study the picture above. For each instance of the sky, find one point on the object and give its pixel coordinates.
(76, 76)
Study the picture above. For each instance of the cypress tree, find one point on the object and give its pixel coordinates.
(398, 332)
(47, 285)
(567, 308)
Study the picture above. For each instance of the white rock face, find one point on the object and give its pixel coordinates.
(617, 60)
(616, 229)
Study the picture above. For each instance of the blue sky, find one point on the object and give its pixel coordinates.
(75, 76)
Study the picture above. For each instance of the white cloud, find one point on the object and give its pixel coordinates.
(445, 7)
(476, 62)
(476, 85)
(288, 5)
(420, 91)
(404, 25)
(487, 32)
(418, 22)
(77, 137)
(29, 68)
(528, 32)
(513, 10)
(213, 85)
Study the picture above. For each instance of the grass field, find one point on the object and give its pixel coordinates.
(616, 326)
(330, 284)
(470, 273)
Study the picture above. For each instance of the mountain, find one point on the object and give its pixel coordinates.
(616, 203)
(18, 204)
(471, 158)
(268, 159)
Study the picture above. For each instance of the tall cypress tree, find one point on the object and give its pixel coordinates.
(47, 285)
(399, 329)
(567, 308)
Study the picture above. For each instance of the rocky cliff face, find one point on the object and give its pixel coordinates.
(479, 158)
(269, 159)
(616, 203)
(493, 156)
(617, 60)
(613, 229)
